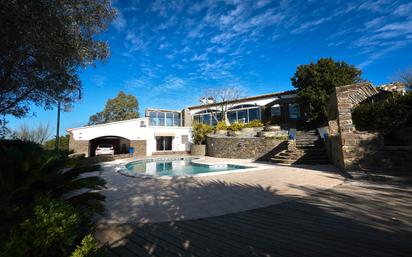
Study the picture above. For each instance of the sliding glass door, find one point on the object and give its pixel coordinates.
(164, 143)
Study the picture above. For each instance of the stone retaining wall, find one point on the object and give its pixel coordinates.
(258, 148)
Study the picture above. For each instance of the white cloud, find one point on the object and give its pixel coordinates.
(98, 80)
(199, 57)
(376, 55)
(171, 82)
(262, 3)
(119, 23)
(404, 10)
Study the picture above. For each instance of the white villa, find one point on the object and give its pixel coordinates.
(167, 131)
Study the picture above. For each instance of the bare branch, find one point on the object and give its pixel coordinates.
(222, 99)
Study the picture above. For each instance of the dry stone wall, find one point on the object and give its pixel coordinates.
(243, 147)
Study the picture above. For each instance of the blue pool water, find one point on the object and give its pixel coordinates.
(175, 167)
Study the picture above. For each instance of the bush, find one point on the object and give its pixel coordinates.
(385, 115)
(199, 133)
(87, 248)
(27, 172)
(49, 232)
(254, 124)
(52, 230)
(236, 126)
(221, 125)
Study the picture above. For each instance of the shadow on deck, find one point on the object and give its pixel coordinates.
(348, 220)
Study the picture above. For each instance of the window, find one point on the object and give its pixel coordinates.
(176, 119)
(153, 118)
(294, 111)
(164, 143)
(254, 114)
(242, 116)
(169, 118)
(164, 118)
(160, 118)
(206, 117)
(275, 110)
(232, 116)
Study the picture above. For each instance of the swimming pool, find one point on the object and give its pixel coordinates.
(175, 167)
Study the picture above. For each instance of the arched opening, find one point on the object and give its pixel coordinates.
(120, 144)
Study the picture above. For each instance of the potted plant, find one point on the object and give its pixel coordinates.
(199, 133)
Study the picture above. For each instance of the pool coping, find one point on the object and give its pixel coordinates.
(120, 167)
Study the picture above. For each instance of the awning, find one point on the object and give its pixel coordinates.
(164, 134)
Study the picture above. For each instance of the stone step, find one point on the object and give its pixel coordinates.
(307, 156)
(300, 161)
(308, 146)
(308, 142)
(309, 150)
(296, 155)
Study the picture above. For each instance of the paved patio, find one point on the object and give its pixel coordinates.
(150, 200)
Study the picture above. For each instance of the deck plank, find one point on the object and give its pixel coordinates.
(330, 223)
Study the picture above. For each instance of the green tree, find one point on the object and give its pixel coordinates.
(97, 118)
(122, 107)
(64, 143)
(43, 44)
(315, 82)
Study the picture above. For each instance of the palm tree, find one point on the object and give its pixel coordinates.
(27, 172)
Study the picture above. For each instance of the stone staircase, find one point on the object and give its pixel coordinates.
(309, 149)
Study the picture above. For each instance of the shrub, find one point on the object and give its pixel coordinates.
(49, 232)
(52, 230)
(254, 124)
(221, 125)
(236, 126)
(28, 171)
(385, 115)
(199, 133)
(87, 248)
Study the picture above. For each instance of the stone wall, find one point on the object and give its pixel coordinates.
(346, 146)
(139, 147)
(79, 146)
(243, 148)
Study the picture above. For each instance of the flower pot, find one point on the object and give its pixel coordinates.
(198, 150)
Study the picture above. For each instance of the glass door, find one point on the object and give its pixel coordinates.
(164, 143)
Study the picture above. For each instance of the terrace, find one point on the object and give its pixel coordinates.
(271, 211)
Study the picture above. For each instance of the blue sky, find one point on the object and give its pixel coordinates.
(167, 52)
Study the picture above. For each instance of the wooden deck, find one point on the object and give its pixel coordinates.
(349, 220)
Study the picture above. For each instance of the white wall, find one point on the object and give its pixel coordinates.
(132, 130)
